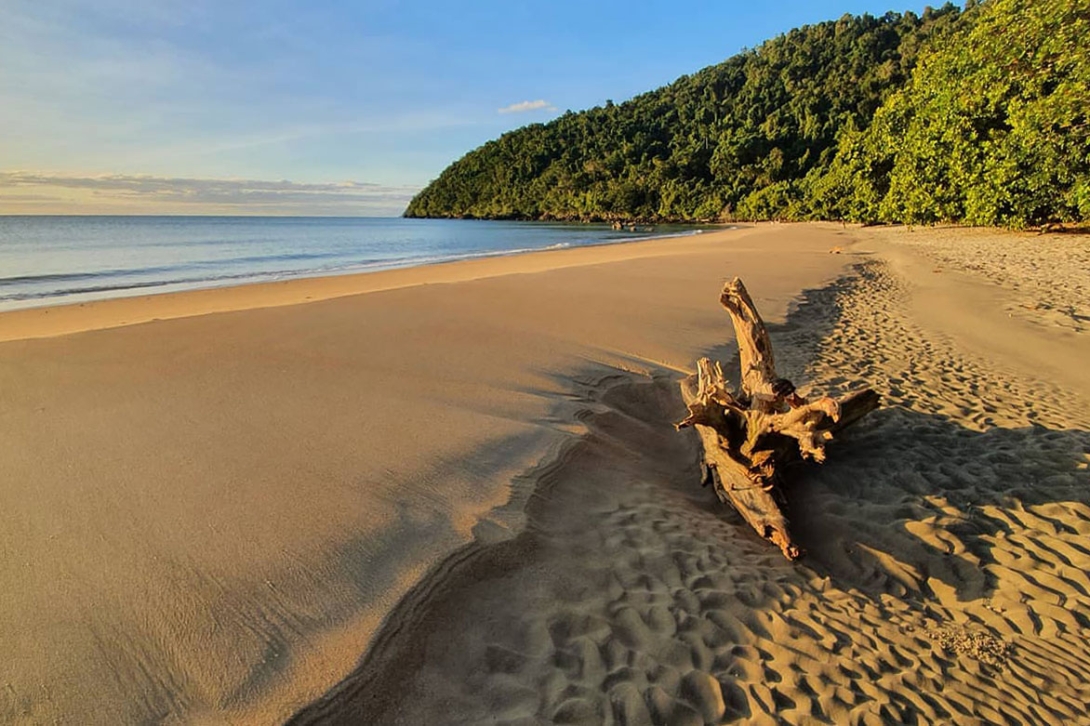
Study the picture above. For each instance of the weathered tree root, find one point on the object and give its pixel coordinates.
(750, 435)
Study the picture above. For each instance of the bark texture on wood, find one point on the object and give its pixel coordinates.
(750, 434)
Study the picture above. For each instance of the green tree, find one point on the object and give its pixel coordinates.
(704, 147)
(991, 130)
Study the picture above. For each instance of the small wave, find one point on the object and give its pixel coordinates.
(21, 290)
(63, 292)
(112, 281)
(63, 277)
(398, 263)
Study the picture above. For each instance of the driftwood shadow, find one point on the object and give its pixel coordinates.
(631, 583)
(909, 502)
(912, 503)
(627, 565)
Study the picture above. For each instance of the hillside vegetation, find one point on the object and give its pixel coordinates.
(977, 116)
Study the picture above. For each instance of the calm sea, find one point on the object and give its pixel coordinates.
(58, 260)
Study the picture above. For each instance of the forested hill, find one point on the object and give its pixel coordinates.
(830, 121)
(704, 146)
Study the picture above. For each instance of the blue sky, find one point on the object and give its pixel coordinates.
(146, 105)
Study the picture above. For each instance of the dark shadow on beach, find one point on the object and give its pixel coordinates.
(634, 596)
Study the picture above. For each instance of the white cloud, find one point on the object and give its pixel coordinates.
(524, 106)
(153, 194)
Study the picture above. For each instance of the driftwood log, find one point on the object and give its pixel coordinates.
(751, 434)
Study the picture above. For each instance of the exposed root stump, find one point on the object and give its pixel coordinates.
(750, 434)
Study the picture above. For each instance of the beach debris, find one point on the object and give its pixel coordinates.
(976, 644)
(751, 434)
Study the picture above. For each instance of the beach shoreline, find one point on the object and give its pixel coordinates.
(211, 516)
(146, 259)
(633, 598)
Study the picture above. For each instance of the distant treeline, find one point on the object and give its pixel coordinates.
(977, 116)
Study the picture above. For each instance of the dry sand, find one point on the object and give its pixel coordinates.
(205, 518)
(947, 576)
(208, 519)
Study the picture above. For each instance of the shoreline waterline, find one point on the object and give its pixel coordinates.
(59, 318)
(209, 517)
(51, 261)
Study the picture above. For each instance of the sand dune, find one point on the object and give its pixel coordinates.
(465, 503)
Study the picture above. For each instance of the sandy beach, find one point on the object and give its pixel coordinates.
(453, 494)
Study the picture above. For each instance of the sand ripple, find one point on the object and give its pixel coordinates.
(946, 581)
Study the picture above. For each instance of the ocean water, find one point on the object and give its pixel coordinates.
(60, 260)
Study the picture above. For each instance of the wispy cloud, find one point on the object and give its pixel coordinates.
(210, 89)
(525, 106)
(152, 194)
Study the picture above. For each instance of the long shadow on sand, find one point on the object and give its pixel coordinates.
(946, 571)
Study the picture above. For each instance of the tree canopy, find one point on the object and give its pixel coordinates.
(975, 116)
(992, 128)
